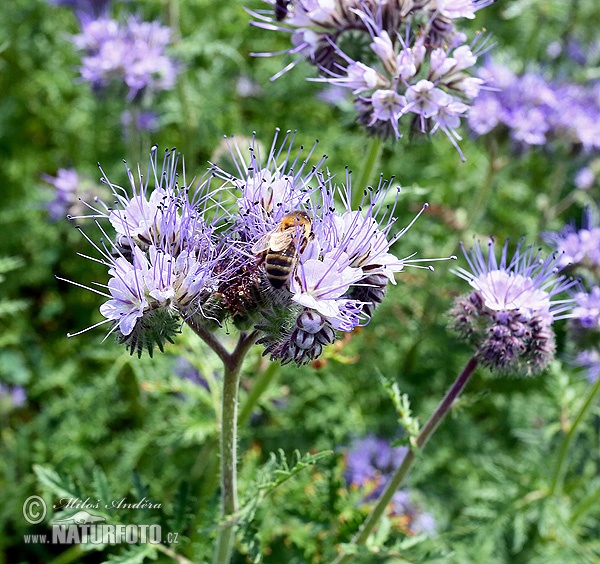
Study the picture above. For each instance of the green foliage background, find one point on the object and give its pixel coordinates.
(98, 424)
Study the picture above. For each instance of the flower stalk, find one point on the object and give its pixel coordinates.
(561, 463)
(398, 477)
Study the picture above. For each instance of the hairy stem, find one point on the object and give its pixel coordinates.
(228, 447)
(429, 428)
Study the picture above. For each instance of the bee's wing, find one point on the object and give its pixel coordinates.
(281, 240)
(262, 244)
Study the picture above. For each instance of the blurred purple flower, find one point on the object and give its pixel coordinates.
(370, 464)
(70, 188)
(133, 53)
(585, 178)
(590, 360)
(146, 120)
(577, 247)
(587, 309)
(81, 7)
(186, 370)
(17, 394)
(532, 109)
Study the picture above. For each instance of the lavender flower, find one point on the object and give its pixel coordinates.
(577, 247)
(69, 189)
(531, 108)
(509, 314)
(17, 394)
(162, 264)
(201, 254)
(339, 275)
(369, 465)
(133, 53)
(416, 64)
(590, 360)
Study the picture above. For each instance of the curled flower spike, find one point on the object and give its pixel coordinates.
(509, 314)
(416, 65)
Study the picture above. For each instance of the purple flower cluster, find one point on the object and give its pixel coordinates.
(533, 109)
(579, 251)
(416, 63)
(91, 7)
(578, 248)
(70, 188)
(369, 466)
(131, 53)
(204, 254)
(509, 314)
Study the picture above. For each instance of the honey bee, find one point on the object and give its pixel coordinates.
(280, 248)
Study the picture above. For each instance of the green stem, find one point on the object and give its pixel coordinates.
(581, 509)
(561, 462)
(432, 424)
(70, 555)
(172, 554)
(366, 173)
(482, 196)
(228, 447)
(261, 384)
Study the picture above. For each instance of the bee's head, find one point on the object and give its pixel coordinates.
(295, 219)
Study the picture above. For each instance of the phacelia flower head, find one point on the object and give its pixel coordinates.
(370, 464)
(416, 67)
(318, 265)
(275, 248)
(131, 53)
(163, 261)
(509, 314)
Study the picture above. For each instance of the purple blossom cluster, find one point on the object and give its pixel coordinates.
(509, 314)
(534, 111)
(579, 251)
(578, 248)
(190, 253)
(132, 53)
(416, 63)
(91, 7)
(70, 188)
(370, 464)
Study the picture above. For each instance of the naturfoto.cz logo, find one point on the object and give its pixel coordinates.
(84, 527)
